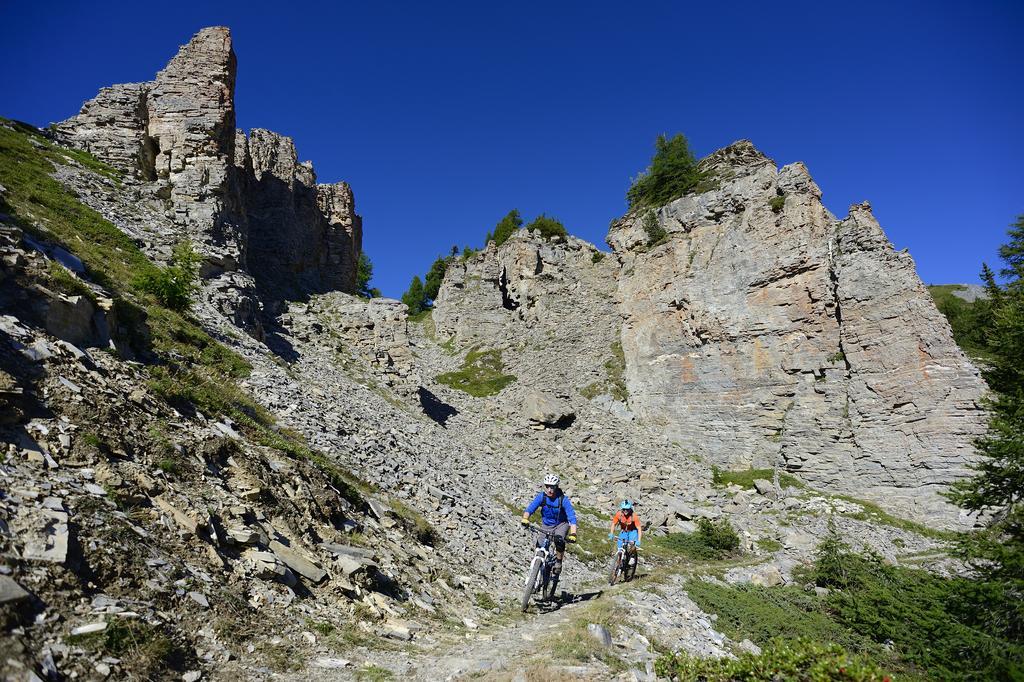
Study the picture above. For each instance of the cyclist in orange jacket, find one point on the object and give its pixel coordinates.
(626, 519)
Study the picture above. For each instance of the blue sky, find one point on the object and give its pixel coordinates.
(443, 116)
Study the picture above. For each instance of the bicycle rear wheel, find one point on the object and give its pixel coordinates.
(550, 585)
(531, 583)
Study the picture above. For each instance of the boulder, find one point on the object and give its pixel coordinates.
(540, 408)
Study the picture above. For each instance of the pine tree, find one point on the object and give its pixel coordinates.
(997, 488)
(672, 173)
(435, 276)
(549, 228)
(506, 227)
(364, 273)
(414, 296)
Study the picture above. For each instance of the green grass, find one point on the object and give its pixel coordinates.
(777, 203)
(64, 281)
(801, 659)
(769, 545)
(875, 514)
(573, 643)
(416, 523)
(374, 673)
(746, 478)
(485, 601)
(144, 649)
(481, 374)
(905, 619)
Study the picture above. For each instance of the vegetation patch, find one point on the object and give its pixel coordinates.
(746, 478)
(656, 234)
(574, 642)
(548, 227)
(144, 649)
(505, 228)
(416, 523)
(969, 320)
(777, 203)
(875, 514)
(713, 540)
(903, 619)
(175, 284)
(801, 659)
(673, 173)
(481, 374)
(374, 673)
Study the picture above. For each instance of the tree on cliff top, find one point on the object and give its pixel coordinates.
(505, 228)
(672, 173)
(414, 297)
(548, 227)
(997, 488)
(364, 273)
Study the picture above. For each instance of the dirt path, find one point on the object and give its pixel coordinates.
(516, 650)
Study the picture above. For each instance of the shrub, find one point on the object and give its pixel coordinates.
(597, 257)
(711, 541)
(656, 234)
(672, 173)
(174, 284)
(548, 227)
(800, 659)
(505, 228)
(719, 536)
(777, 203)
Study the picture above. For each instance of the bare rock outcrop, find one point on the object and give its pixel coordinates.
(766, 332)
(247, 203)
(550, 305)
(303, 237)
(761, 332)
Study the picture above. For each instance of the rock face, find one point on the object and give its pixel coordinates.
(549, 303)
(303, 237)
(762, 332)
(247, 202)
(766, 332)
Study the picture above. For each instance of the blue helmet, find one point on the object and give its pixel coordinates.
(626, 504)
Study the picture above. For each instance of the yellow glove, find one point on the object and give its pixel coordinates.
(524, 522)
(571, 538)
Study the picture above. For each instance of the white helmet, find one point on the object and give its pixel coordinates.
(551, 479)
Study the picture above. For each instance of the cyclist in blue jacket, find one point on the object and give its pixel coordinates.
(557, 516)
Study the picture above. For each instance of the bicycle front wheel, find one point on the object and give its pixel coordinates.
(613, 577)
(531, 583)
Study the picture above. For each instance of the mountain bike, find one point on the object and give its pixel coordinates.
(624, 563)
(540, 577)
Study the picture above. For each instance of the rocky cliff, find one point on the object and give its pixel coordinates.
(325, 501)
(761, 332)
(246, 201)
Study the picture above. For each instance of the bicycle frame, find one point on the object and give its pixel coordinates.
(545, 554)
